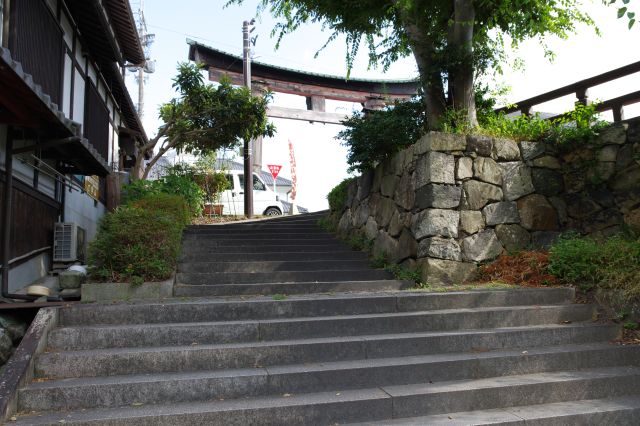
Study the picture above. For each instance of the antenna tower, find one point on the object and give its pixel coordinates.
(149, 65)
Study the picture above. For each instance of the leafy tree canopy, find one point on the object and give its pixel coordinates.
(205, 118)
(453, 41)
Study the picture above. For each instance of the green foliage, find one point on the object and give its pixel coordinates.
(187, 188)
(178, 181)
(631, 325)
(430, 30)
(380, 261)
(173, 205)
(328, 223)
(139, 242)
(580, 125)
(373, 137)
(359, 242)
(205, 118)
(609, 266)
(338, 196)
(279, 297)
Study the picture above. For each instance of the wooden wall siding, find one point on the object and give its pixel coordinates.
(33, 218)
(96, 121)
(35, 40)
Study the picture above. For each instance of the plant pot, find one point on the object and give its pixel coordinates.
(213, 209)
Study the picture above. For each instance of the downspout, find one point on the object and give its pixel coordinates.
(6, 220)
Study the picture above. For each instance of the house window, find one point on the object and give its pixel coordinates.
(40, 52)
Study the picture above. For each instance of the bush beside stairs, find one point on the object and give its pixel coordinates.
(345, 346)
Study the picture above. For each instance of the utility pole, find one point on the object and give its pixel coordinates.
(149, 66)
(247, 28)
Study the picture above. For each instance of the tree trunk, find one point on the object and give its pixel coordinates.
(461, 76)
(430, 75)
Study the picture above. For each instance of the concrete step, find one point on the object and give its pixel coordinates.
(275, 232)
(94, 337)
(258, 308)
(151, 360)
(251, 236)
(264, 248)
(189, 333)
(341, 406)
(620, 411)
(252, 242)
(71, 394)
(212, 278)
(297, 288)
(272, 266)
(196, 256)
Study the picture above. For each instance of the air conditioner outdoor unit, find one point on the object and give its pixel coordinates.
(68, 242)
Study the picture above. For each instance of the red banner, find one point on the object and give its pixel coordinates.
(294, 177)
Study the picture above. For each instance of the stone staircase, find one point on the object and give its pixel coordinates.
(345, 346)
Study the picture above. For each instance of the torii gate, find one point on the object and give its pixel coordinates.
(316, 88)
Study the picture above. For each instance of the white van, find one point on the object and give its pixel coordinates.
(265, 201)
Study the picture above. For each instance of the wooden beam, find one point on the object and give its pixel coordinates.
(304, 115)
(306, 90)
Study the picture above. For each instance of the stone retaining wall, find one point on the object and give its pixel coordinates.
(450, 202)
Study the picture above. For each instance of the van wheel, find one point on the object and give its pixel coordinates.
(272, 211)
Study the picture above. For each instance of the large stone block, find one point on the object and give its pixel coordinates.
(502, 212)
(627, 179)
(477, 194)
(371, 229)
(487, 170)
(581, 205)
(516, 180)
(407, 247)
(608, 153)
(346, 223)
(388, 185)
(14, 325)
(615, 134)
(365, 182)
(531, 150)
(434, 167)
(513, 237)
(435, 222)
(399, 221)
(505, 150)
(438, 196)
(440, 248)
(471, 221)
(445, 272)
(405, 195)
(547, 162)
(361, 215)
(482, 246)
(544, 239)
(385, 245)
(464, 168)
(547, 182)
(384, 212)
(536, 214)
(480, 145)
(436, 141)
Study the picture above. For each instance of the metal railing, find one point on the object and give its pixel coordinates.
(581, 91)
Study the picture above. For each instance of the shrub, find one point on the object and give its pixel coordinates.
(337, 197)
(612, 266)
(378, 135)
(139, 242)
(172, 184)
(173, 205)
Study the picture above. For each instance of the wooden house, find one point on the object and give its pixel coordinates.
(67, 123)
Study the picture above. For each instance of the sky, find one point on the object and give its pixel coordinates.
(321, 159)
